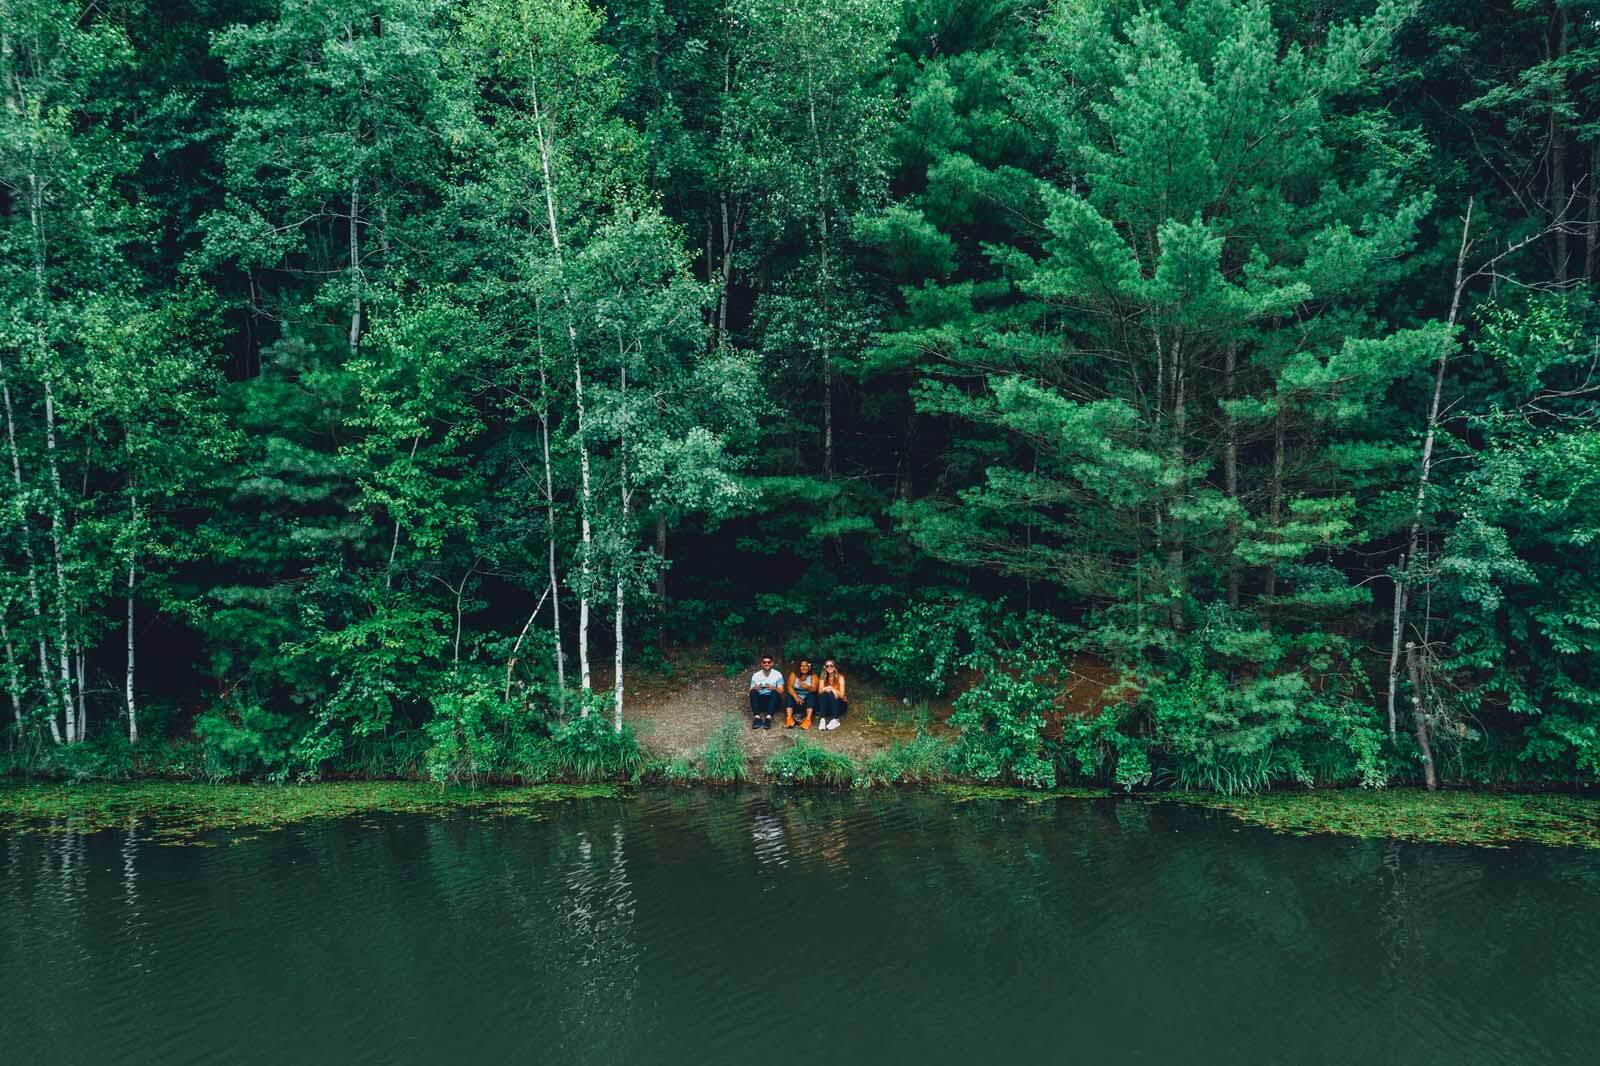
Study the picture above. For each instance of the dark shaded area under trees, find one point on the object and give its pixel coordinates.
(384, 380)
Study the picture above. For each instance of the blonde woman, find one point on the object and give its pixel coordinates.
(832, 702)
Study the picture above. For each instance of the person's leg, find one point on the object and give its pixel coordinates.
(788, 711)
(769, 706)
(809, 700)
(755, 709)
(826, 702)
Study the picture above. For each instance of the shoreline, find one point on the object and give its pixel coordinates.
(181, 812)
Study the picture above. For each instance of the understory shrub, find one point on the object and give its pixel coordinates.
(925, 643)
(474, 732)
(241, 738)
(808, 763)
(1248, 709)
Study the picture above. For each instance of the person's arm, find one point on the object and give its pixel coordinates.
(793, 695)
(841, 688)
(753, 681)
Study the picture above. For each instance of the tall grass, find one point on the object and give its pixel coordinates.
(587, 749)
(722, 759)
(924, 760)
(808, 763)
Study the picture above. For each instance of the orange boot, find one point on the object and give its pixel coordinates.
(807, 723)
(788, 720)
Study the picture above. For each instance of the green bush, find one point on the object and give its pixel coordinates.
(920, 761)
(474, 732)
(1001, 719)
(241, 738)
(807, 763)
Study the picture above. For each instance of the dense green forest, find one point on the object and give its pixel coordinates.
(385, 381)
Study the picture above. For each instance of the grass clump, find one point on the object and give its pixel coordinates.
(808, 763)
(587, 748)
(923, 760)
(722, 760)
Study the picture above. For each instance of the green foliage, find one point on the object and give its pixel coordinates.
(926, 642)
(242, 739)
(473, 732)
(345, 345)
(805, 762)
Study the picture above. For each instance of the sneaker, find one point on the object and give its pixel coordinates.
(755, 723)
(833, 724)
(767, 722)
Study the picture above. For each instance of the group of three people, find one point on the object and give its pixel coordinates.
(802, 696)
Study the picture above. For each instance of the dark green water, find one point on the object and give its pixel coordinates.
(705, 928)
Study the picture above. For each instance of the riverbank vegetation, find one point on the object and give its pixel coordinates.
(1198, 395)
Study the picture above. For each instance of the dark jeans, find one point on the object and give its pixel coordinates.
(802, 706)
(765, 704)
(831, 706)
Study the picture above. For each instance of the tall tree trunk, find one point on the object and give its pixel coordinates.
(13, 675)
(57, 515)
(83, 684)
(1591, 247)
(1430, 774)
(1230, 467)
(1180, 424)
(1559, 192)
(23, 534)
(1425, 468)
(549, 502)
(394, 541)
(661, 556)
(1269, 584)
(586, 536)
(355, 265)
(1397, 629)
(622, 534)
(585, 527)
(725, 281)
(824, 281)
(127, 688)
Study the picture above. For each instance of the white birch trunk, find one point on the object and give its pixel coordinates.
(127, 682)
(57, 518)
(83, 707)
(35, 596)
(13, 675)
(549, 502)
(585, 529)
(1425, 469)
(622, 534)
(355, 265)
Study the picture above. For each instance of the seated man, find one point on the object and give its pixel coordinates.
(766, 694)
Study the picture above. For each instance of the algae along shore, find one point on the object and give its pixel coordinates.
(184, 811)
(180, 811)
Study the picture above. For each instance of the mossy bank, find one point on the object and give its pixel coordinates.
(181, 812)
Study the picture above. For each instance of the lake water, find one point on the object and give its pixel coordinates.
(753, 927)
